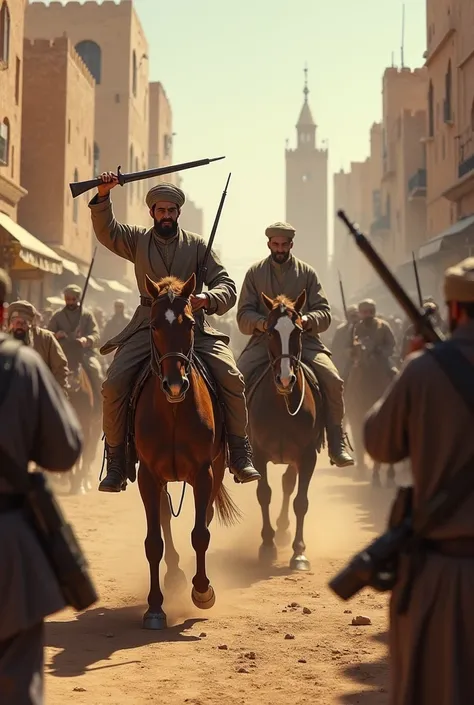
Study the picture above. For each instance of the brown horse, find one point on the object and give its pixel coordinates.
(283, 426)
(179, 437)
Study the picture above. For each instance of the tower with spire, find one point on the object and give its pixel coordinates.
(307, 191)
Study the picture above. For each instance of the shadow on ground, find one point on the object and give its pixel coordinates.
(373, 675)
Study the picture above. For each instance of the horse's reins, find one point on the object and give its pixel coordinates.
(296, 361)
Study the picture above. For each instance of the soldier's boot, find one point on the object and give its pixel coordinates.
(338, 454)
(240, 461)
(116, 478)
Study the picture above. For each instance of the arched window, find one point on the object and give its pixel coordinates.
(131, 169)
(431, 110)
(134, 72)
(91, 54)
(75, 201)
(4, 33)
(447, 95)
(4, 142)
(96, 167)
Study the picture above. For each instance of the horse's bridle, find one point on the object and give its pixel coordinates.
(296, 362)
(157, 359)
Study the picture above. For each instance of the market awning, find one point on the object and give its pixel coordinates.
(116, 286)
(79, 271)
(27, 249)
(438, 243)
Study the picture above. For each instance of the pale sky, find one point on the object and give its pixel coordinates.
(233, 72)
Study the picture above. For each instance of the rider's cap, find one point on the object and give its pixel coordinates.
(366, 303)
(165, 192)
(280, 230)
(459, 281)
(24, 309)
(72, 289)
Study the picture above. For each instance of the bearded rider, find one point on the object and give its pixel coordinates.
(373, 336)
(78, 334)
(164, 250)
(21, 326)
(282, 273)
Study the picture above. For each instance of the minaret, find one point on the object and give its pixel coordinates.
(307, 191)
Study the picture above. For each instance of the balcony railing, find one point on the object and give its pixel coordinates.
(466, 153)
(380, 225)
(417, 184)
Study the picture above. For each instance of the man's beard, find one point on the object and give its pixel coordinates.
(72, 307)
(280, 257)
(21, 335)
(166, 228)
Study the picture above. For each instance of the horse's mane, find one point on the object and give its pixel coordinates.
(170, 284)
(282, 300)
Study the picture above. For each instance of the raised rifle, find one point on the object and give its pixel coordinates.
(417, 279)
(202, 272)
(80, 187)
(420, 319)
(84, 291)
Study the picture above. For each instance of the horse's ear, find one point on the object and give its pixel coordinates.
(151, 287)
(267, 301)
(300, 301)
(189, 287)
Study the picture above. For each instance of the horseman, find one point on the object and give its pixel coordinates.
(342, 341)
(21, 326)
(282, 273)
(373, 336)
(78, 334)
(164, 250)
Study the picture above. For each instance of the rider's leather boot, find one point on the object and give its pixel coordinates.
(240, 462)
(116, 478)
(338, 454)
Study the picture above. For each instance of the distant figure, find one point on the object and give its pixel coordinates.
(342, 342)
(116, 323)
(37, 425)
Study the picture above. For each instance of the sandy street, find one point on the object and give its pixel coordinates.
(273, 637)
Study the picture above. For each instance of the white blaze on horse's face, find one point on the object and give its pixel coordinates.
(285, 327)
(170, 316)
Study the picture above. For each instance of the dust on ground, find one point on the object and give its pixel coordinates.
(274, 636)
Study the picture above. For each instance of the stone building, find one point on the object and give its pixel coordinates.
(58, 144)
(307, 192)
(25, 257)
(111, 41)
(192, 218)
(160, 141)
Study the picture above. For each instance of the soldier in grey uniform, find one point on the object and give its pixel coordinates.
(37, 425)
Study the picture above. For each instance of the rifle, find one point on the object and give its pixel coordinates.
(341, 287)
(201, 275)
(80, 187)
(84, 291)
(419, 318)
(417, 279)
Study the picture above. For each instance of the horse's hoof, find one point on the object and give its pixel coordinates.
(204, 600)
(154, 620)
(282, 538)
(267, 554)
(175, 581)
(300, 563)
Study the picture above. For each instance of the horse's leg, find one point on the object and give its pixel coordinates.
(356, 427)
(202, 593)
(376, 475)
(175, 579)
(300, 505)
(150, 491)
(288, 482)
(268, 549)
(391, 476)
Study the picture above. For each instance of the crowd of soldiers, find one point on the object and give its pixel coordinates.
(43, 428)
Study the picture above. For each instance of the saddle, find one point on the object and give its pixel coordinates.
(261, 371)
(131, 456)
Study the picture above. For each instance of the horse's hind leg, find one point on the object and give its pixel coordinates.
(288, 482)
(267, 550)
(175, 579)
(300, 505)
(150, 491)
(376, 475)
(202, 593)
(391, 476)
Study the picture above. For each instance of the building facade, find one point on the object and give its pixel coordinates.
(192, 218)
(58, 141)
(307, 192)
(112, 43)
(160, 140)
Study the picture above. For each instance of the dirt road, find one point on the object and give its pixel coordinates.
(273, 637)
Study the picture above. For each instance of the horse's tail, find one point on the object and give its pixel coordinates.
(228, 512)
